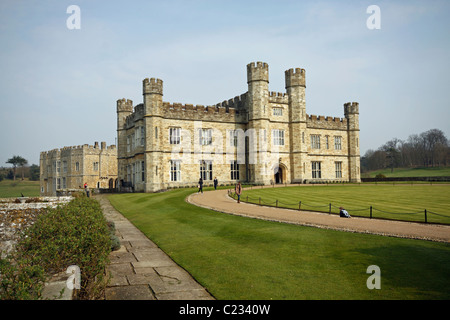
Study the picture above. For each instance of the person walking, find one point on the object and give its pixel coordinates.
(238, 191)
(215, 183)
(200, 185)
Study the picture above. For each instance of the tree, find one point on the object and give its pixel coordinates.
(17, 161)
(34, 172)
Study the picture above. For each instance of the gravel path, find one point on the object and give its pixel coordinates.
(220, 201)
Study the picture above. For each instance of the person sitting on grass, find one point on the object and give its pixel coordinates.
(343, 213)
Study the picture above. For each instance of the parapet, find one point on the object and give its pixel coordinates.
(322, 122)
(258, 71)
(295, 77)
(152, 86)
(278, 97)
(124, 105)
(351, 108)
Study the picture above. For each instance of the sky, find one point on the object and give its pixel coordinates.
(59, 85)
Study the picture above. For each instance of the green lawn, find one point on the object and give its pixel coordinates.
(12, 189)
(242, 258)
(411, 172)
(399, 201)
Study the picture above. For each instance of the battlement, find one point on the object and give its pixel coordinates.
(258, 71)
(278, 97)
(85, 147)
(322, 122)
(124, 105)
(152, 86)
(351, 108)
(295, 77)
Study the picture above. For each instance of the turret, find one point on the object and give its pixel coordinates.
(295, 87)
(124, 109)
(152, 89)
(295, 80)
(351, 112)
(258, 90)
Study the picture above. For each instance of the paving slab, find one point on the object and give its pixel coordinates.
(140, 270)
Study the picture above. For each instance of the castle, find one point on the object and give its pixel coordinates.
(259, 137)
(69, 168)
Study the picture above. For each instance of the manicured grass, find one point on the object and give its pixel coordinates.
(411, 172)
(402, 202)
(12, 189)
(242, 258)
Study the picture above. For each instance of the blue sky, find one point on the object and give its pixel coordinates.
(59, 87)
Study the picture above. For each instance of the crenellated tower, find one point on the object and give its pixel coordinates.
(351, 112)
(258, 151)
(152, 90)
(295, 80)
(124, 109)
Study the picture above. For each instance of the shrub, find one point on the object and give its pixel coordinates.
(380, 176)
(74, 234)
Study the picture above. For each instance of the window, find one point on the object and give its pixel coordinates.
(316, 172)
(326, 142)
(174, 135)
(64, 183)
(205, 137)
(338, 169)
(58, 167)
(277, 111)
(95, 166)
(137, 136)
(142, 171)
(315, 141)
(133, 144)
(233, 138)
(206, 169)
(337, 143)
(128, 144)
(278, 137)
(58, 186)
(142, 135)
(128, 173)
(138, 170)
(156, 132)
(175, 172)
(234, 169)
(77, 166)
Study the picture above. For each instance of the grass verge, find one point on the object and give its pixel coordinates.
(395, 202)
(242, 258)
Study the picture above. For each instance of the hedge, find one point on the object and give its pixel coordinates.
(73, 234)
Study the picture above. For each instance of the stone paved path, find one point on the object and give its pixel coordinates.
(142, 271)
(218, 200)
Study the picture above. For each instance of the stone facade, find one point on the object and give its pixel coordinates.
(259, 137)
(72, 167)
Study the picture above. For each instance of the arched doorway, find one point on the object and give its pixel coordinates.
(111, 183)
(278, 174)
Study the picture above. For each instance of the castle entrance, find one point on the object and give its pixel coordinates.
(278, 175)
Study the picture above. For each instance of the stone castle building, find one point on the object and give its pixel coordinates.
(259, 137)
(69, 168)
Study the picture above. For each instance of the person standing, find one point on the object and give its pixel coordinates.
(215, 183)
(200, 185)
(238, 191)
